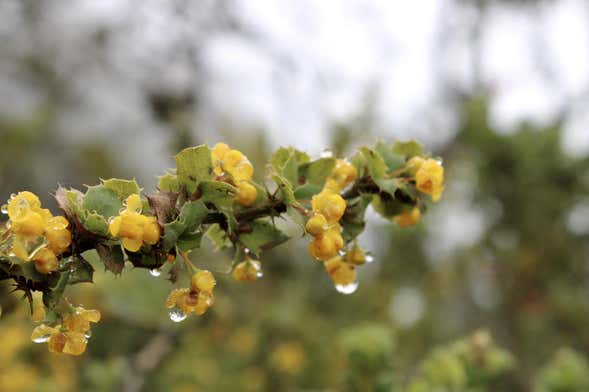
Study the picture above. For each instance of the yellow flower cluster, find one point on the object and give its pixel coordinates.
(247, 271)
(235, 165)
(132, 228)
(196, 299)
(72, 336)
(328, 208)
(429, 176)
(29, 222)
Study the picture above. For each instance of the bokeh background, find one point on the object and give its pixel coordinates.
(500, 89)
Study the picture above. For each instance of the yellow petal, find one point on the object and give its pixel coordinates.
(131, 245)
(75, 343)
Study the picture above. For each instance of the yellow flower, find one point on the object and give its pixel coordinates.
(408, 218)
(316, 225)
(59, 238)
(29, 223)
(356, 256)
(429, 178)
(203, 280)
(329, 204)
(340, 272)
(190, 301)
(217, 154)
(344, 173)
(238, 166)
(60, 340)
(246, 194)
(22, 203)
(413, 164)
(45, 261)
(79, 320)
(133, 228)
(247, 271)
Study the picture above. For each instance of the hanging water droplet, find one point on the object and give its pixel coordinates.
(347, 288)
(4, 209)
(259, 274)
(12, 196)
(177, 315)
(327, 153)
(369, 258)
(88, 334)
(247, 251)
(42, 339)
(440, 161)
(155, 272)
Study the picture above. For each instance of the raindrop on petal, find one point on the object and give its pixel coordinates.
(347, 288)
(88, 334)
(369, 258)
(177, 315)
(4, 209)
(155, 272)
(327, 153)
(42, 339)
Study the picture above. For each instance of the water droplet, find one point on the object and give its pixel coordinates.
(42, 339)
(177, 315)
(88, 334)
(259, 274)
(327, 153)
(155, 272)
(12, 196)
(440, 161)
(369, 258)
(4, 209)
(347, 288)
(247, 251)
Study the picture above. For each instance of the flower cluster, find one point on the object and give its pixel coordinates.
(132, 228)
(428, 175)
(71, 336)
(233, 166)
(38, 235)
(196, 299)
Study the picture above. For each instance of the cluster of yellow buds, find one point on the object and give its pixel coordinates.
(133, 228)
(248, 270)
(38, 235)
(428, 174)
(239, 171)
(196, 299)
(429, 179)
(328, 208)
(71, 336)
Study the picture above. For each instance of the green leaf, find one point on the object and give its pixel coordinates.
(263, 235)
(218, 237)
(189, 241)
(52, 297)
(194, 165)
(221, 194)
(375, 164)
(95, 223)
(74, 199)
(112, 257)
(317, 171)
(168, 183)
(122, 188)
(388, 185)
(172, 231)
(392, 159)
(307, 191)
(285, 163)
(192, 214)
(353, 222)
(408, 149)
(285, 188)
(81, 270)
(386, 206)
(102, 200)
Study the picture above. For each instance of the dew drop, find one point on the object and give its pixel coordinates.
(42, 339)
(12, 196)
(155, 272)
(177, 315)
(88, 334)
(369, 258)
(4, 209)
(347, 288)
(327, 153)
(247, 251)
